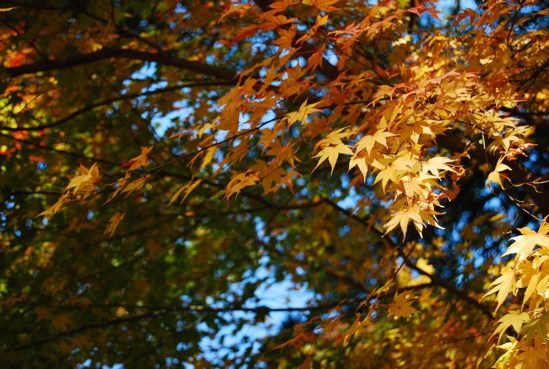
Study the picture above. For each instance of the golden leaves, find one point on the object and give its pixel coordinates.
(81, 185)
(403, 217)
(241, 181)
(55, 208)
(368, 142)
(141, 160)
(495, 175)
(324, 5)
(186, 190)
(527, 277)
(401, 307)
(514, 319)
(524, 244)
(503, 285)
(84, 183)
(303, 113)
(331, 147)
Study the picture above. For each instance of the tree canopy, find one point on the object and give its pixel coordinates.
(161, 161)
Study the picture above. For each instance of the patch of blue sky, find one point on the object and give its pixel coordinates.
(271, 294)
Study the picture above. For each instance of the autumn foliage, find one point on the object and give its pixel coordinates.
(162, 162)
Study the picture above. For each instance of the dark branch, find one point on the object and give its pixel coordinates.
(162, 311)
(109, 53)
(447, 286)
(537, 189)
(117, 99)
(435, 280)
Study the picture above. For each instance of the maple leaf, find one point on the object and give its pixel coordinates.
(403, 217)
(386, 175)
(281, 5)
(503, 286)
(244, 33)
(524, 244)
(367, 142)
(514, 319)
(401, 307)
(135, 185)
(355, 327)
(285, 40)
(359, 162)
(241, 181)
(333, 138)
(495, 175)
(303, 113)
(208, 157)
(273, 21)
(331, 147)
(332, 153)
(324, 5)
(55, 208)
(418, 10)
(84, 182)
(271, 176)
(114, 222)
(437, 164)
(141, 160)
(316, 59)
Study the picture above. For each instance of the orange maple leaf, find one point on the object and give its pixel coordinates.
(324, 5)
(241, 181)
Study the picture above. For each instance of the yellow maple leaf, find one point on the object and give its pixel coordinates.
(524, 244)
(403, 217)
(386, 175)
(84, 183)
(514, 319)
(331, 153)
(367, 142)
(55, 208)
(437, 164)
(401, 307)
(503, 286)
(303, 113)
(187, 189)
(135, 185)
(359, 162)
(495, 175)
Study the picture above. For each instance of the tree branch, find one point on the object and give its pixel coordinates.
(162, 311)
(435, 280)
(116, 99)
(109, 53)
(536, 188)
(447, 286)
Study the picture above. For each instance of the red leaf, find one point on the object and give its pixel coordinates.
(37, 158)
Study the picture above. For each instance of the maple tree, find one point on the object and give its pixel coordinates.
(162, 161)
